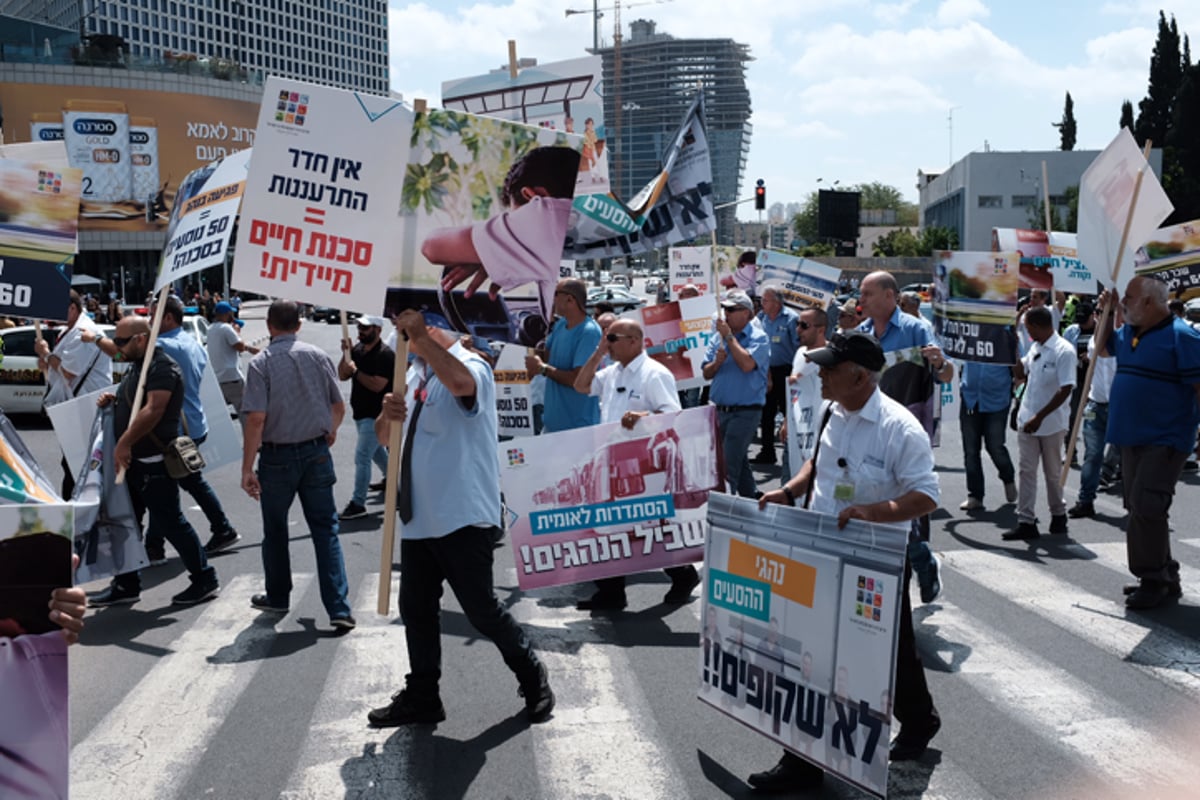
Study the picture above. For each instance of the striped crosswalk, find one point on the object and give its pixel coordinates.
(612, 734)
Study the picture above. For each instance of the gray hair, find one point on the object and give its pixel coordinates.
(910, 297)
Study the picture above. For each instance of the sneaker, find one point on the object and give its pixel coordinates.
(1058, 524)
(353, 510)
(1080, 510)
(765, 456)
(1010, 492)
(222, 541)
(1174, 589)
(932, 587)
(378, 486)
(113, 595)
(539, 699)
(263, 603)
(681, 588)
(343, 624)
(406, 709)
(971, 504)
(198, 592)
(603, 601)
(1024, 530)
(156, 553)
(791, 774)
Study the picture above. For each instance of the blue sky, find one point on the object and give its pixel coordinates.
(845, 90)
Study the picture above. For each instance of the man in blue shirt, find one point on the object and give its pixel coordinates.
(779, 323)
(986, 392)
(570, 344)
(736, 363)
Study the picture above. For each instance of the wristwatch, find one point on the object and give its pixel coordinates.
(544, 368)
(788, 493)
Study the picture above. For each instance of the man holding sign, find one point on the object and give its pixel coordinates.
(873, 462)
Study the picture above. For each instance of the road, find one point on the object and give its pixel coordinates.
(1047, 686)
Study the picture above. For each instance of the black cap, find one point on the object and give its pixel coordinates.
(856, 346)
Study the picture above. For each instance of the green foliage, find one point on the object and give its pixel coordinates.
(878, 195)
(1166, 74)
(938, 238)
(1126, 116)
(804, 224)
(897, 243)
(818, 249)
(1066, 128)
(1035, 217)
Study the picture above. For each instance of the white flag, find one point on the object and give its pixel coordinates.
(1105, 194)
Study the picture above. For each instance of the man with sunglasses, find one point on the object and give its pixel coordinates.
(804, 391)
(139, 449)
(631, 387)
(571, 342)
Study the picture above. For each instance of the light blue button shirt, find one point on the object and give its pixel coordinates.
(187, 352)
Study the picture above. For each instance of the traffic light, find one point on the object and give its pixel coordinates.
(760, 196)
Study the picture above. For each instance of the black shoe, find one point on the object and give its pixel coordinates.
(405, 709)
(931, 581)
(792, 773)
(353, 511)
(764, 456)
(909, 746)
(343, 624)
(198, 592)
(539, 698)
(113, 595)
(378, 486)
(1081, 509)
(263, 603)
(222, 541)
(1174, 590)
(1058, 523)
(603, 601)
(681, 588)
(1150, 594)
(1191, 465)
(156, 553)
(1024, 530)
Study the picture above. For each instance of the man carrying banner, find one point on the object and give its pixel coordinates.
(779, 323)
(139, 450)
(736, 363)
(368, 366)
(293, 407)
(874, 462)
(1153, 416)
(633, 386)
(570, 344)
(224, 346)
(449, 503)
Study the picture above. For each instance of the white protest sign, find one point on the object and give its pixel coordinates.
(691, 265)
(514, 409)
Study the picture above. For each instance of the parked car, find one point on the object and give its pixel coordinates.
(923, 289)
(620, 298)
(22, 385)
(331, 315)
(653, 285)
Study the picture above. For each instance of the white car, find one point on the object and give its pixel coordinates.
(22, 385)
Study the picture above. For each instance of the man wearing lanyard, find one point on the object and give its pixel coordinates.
(633, 386)
(779, 323)
(736, 363)
(874, 463)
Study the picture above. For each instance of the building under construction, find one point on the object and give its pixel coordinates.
(647, 93)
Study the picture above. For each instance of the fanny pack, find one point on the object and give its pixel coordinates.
(181, 455)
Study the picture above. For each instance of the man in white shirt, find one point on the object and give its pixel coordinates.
(633, 386)
(1095, 426)
(802, 419)
(224, 345)
(1048, 369)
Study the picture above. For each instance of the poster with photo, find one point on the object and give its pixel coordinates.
(801, 282)
(975, 305)
(1033, 250)
(1172, 255)
(677, 335)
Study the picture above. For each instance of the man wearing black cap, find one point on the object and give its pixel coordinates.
(874, 463)
(368, 366)
(737, 363)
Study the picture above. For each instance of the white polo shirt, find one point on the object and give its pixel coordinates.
(1102, 375)
(880, 449)
(1048, 367)
(644, 385)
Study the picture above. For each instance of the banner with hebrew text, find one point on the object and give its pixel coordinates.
(801, 282)
(1172, 255)
(975, 305)
(677, 335)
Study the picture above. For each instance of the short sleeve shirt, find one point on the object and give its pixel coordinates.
(222, 352)
(1153, 397)
(782, 334)
(570, 348)
(730, 385)
(296, 385)
(379, 361)
(1049, 366)
(192, 359)
(644, 385)
(164, 376)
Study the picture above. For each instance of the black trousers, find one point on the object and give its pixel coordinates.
(775, 403)
(616, 585)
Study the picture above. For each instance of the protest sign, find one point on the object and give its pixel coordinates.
(1107, 202)
(800, 622)
(907, 378)
(39, 215)
(803, 414)
(514, 407)
(202, 219)
(1172, 255)
(674, 207)
(319, 216)
(677, 335)
(1070, 274)
(732, 275)
(975, 305)
(691, 265)
(801, 282)
(602, 501)
(1033, 250)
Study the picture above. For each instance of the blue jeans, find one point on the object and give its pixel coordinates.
(986, 428)
(205, 497)
(305, 469)
(154, 492)
(367, 449)
(1095, 424)
(737, 431)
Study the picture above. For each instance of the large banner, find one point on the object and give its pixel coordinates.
(133, 146)
(203, 217)
(801, 282)
(975, 305)
(800, 622)
(1047, 261)
(1172, 255)
(674, 207)
(39, 213)
(691, 265)
(514, 406)
(602, 501)
(318, 221)
(677, 335)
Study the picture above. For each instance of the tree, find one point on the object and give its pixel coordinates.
(882, 196)
(936, 238)
(1155, 111)
(1066, 128)
(1036, 217)
(1181, 157)
(898, 242)
(1126, 116)
(804, 224)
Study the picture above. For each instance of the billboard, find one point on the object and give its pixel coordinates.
(134, 146)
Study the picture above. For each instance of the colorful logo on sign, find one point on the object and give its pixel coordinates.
(869, 598)
(291, 108)
(49, 181)
(516, 457)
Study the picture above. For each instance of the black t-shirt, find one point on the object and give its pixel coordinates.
(379, 361)
(164, 375)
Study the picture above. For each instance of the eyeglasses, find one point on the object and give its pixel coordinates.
(803, 325)
(613, 337)
(121, 341)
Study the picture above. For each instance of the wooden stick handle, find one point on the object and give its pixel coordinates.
(387, 550)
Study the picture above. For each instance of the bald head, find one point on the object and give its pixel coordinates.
(878, 296)
(132, 326)
(629, 341)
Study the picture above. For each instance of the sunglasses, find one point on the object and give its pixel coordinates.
(121, 341)
(803, 325)
(613, 337)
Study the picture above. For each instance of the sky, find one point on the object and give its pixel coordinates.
(845, 90)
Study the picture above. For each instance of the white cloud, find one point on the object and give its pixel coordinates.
(891, 13)
(956, 12)
(897, 94)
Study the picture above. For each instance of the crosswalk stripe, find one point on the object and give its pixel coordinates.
(1190, 542)
(343, 756)
(1112, 555)
(1043, 695)
(598, 743)
(211, 664)
(1147, 645)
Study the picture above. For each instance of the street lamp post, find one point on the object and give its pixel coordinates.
(627, 156)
